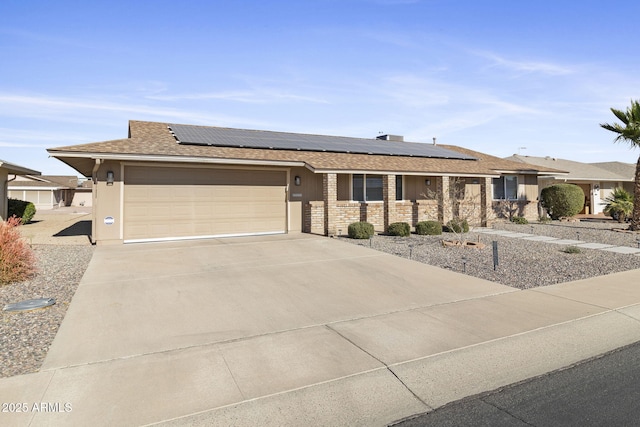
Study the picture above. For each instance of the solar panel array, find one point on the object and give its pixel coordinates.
(226, 137)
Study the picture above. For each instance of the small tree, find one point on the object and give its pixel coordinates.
(562, 200)
(465, 206)
(619, 204)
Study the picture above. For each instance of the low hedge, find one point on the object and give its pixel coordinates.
(429, 228)
(360, 230)
(402, 229)
(21, 209)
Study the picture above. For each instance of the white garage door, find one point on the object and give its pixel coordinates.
(173, 203)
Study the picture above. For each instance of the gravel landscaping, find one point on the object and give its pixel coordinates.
(63, 252)
(522, 263)
(25, 337)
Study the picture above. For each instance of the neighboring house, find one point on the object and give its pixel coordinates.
(50, 191)
(168, 181)
(9, 172)
(597, 180)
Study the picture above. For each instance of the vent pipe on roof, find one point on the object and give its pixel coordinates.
(387, 137)
(434, 140)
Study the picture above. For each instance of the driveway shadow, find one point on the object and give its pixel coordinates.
(80, 228)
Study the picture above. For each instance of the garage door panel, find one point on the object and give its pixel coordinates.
(205, 202)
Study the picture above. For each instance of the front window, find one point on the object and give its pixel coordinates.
(367, 188)
(505, 188)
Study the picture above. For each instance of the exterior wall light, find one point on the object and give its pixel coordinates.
(297, 180)
(427, 182)
(109, 177)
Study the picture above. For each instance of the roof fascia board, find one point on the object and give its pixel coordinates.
(176, 159)
(567, 178)
(425, 173)
(530, 172)
(17, 170)
(27, 188)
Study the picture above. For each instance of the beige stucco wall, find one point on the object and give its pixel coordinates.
(310, 187)
(109, 205)
(82, 198)
(416, 189)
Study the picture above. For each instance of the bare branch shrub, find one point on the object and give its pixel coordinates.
(17, 260)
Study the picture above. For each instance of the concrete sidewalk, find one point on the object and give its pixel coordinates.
(301, 330)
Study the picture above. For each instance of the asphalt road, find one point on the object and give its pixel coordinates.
(600, 392)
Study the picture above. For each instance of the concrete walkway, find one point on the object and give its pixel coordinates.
(547, 239)
(301, 330)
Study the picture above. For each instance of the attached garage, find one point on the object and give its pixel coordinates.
(168, 203)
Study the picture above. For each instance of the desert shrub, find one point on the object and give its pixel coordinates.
(457, 226)
(543, 219)
(429, 228)
(402, 229)
(572, 250)
(519, 220)
(360, 230)
(17, 261)
(562, 200)
(619, 204)
(21, 209)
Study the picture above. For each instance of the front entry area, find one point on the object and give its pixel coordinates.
(169, 203)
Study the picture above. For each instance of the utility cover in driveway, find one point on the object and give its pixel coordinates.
(30, 304)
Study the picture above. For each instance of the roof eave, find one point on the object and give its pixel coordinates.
(18, 170)
(173, 159)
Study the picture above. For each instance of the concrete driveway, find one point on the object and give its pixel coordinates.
(299, 330)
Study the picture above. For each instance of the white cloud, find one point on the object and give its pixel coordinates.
(262, 96)
(547, 68)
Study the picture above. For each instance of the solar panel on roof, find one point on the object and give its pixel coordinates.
(226, 137)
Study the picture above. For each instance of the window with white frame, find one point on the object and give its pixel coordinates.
(505, 187)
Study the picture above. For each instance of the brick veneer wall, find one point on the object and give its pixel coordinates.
(347, 212)
(330, 196)
(314, 217)
(404, 213)
(426, 210)
(389, 200)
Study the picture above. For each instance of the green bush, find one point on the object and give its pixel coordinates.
(429, 228)
(562, 200)
(458, 226)
(519, 220)
(360, 230)
(21, 209)
(402, 229)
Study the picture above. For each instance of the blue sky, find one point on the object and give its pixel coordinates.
(493, 76)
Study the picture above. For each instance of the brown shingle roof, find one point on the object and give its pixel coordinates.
(46, 181)
(154, 139)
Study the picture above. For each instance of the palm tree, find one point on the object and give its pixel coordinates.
(629, 132)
